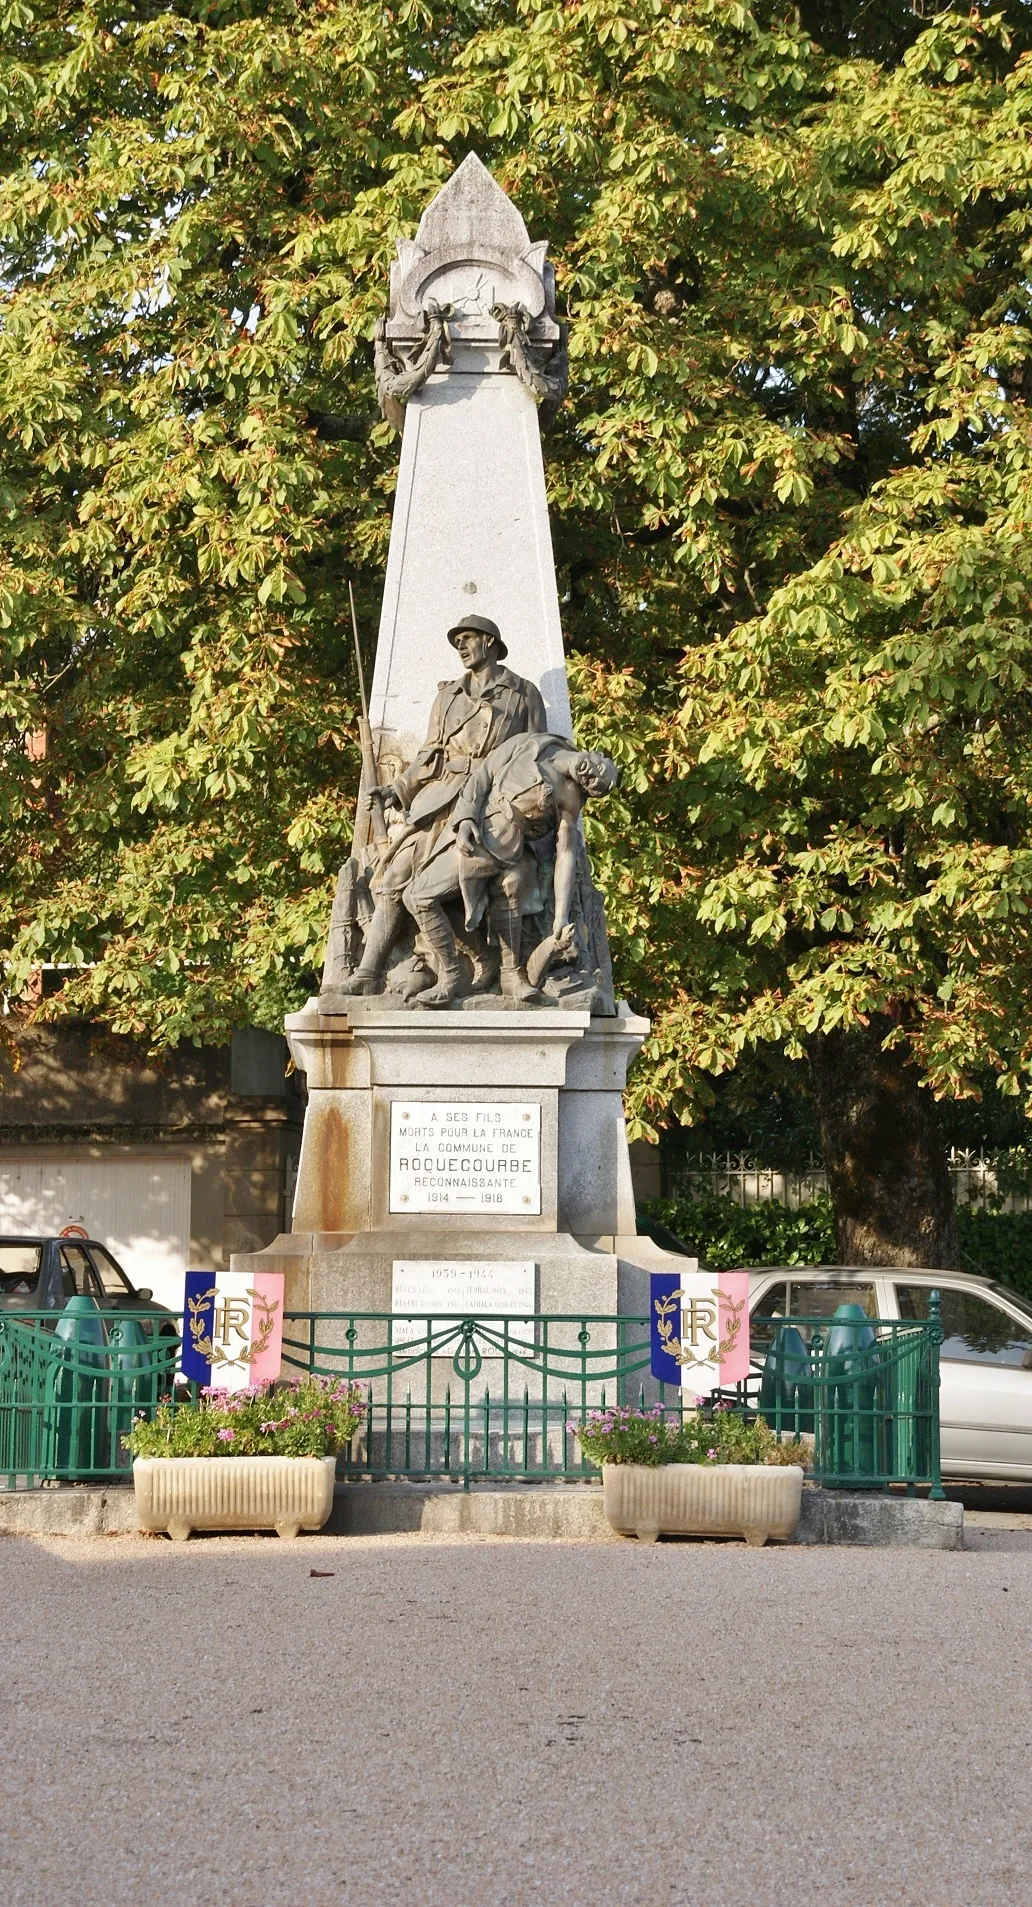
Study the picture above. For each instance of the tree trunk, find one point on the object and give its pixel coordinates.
(883, 1152)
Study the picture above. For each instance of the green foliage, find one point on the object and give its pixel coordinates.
(998, 1245)
(721, 1435)
(760, 1114)
(314, 1417)
(791, 494)
(724, 1235)
(752, 1116)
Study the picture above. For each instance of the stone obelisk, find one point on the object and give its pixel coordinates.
(481, 1144)
(470, 528)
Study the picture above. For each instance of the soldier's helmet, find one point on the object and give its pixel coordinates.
(484, 627)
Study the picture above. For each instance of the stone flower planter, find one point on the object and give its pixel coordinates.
(695, 1499)
(285, 1494)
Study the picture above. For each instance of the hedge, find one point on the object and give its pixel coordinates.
(723, 1234)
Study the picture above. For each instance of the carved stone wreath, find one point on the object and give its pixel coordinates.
(399, 378)
(547, 382)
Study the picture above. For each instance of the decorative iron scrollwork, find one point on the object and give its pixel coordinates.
(467, 1361)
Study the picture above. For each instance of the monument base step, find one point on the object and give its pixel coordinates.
(870, 1520)
(538, 1512)
(574, 1512)
(542, 1512)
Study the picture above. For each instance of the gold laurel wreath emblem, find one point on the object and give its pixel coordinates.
(216, 1353)
(665, 1307)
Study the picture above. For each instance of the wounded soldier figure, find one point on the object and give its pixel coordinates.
(529, 788)
(485, 707)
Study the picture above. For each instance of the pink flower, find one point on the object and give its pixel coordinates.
(712, 1453)
(227, 1436)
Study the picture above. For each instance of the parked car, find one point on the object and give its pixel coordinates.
(41, 1274)
(985, 1396)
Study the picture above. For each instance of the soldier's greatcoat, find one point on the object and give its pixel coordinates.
(466, 723)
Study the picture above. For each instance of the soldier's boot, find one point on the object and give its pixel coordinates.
(435, 928)
(507, 928)
(381, 934)
(487, 964)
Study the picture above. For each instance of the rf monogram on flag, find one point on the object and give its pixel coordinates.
(700, 1328)
(234, 1328)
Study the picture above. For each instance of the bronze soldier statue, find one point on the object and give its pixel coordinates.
(530, 788)
(485, 707)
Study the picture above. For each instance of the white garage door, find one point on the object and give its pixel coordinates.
(139, 1207)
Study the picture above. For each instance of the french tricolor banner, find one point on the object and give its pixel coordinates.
(700, 1328)
(232, 1328)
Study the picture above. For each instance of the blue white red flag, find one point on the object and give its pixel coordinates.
(232, 1328)
(700, 1328)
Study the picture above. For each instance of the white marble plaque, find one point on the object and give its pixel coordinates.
(503, 1288)
(474, 1155)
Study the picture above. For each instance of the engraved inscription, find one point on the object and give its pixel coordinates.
(466, 1156)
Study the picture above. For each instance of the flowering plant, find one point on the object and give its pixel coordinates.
(314, 1417)
(711, 1434)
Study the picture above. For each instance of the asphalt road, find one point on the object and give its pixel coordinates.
(478, 1723)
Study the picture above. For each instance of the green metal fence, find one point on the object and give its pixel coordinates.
(477, 1398)
(66, 1404)
(460, 1397)
(497, 1397)
(863, 1393)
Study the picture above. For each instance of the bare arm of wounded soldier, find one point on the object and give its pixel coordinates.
(569, 801)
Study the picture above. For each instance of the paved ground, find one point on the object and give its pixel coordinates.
(477, 1723)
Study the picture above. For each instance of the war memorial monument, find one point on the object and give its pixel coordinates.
(464, 1144)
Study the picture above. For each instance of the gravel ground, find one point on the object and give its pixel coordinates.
(477, 1723)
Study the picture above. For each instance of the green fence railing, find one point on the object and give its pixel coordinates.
(863, 1392)
(66, 1404)
(479, 1398)
(460, 1397)
(497, 1397)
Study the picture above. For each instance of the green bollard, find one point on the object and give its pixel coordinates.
(79, 1440)
(133, 1379)
(849, 1443)
(786, 1384)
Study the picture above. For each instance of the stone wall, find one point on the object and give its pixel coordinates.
(230, 1110)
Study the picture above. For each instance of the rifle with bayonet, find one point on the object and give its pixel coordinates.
(369, 815)
(344, 945)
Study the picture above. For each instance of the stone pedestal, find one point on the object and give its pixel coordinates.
(346, 1239)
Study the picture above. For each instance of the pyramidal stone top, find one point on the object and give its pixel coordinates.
(472, 251)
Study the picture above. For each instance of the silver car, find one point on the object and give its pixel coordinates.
(985, 1397)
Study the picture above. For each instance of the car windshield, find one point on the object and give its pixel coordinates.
(817, 1298)
(821, 1297)
(19, 1269)
(973, 1329)
(112, 1277)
